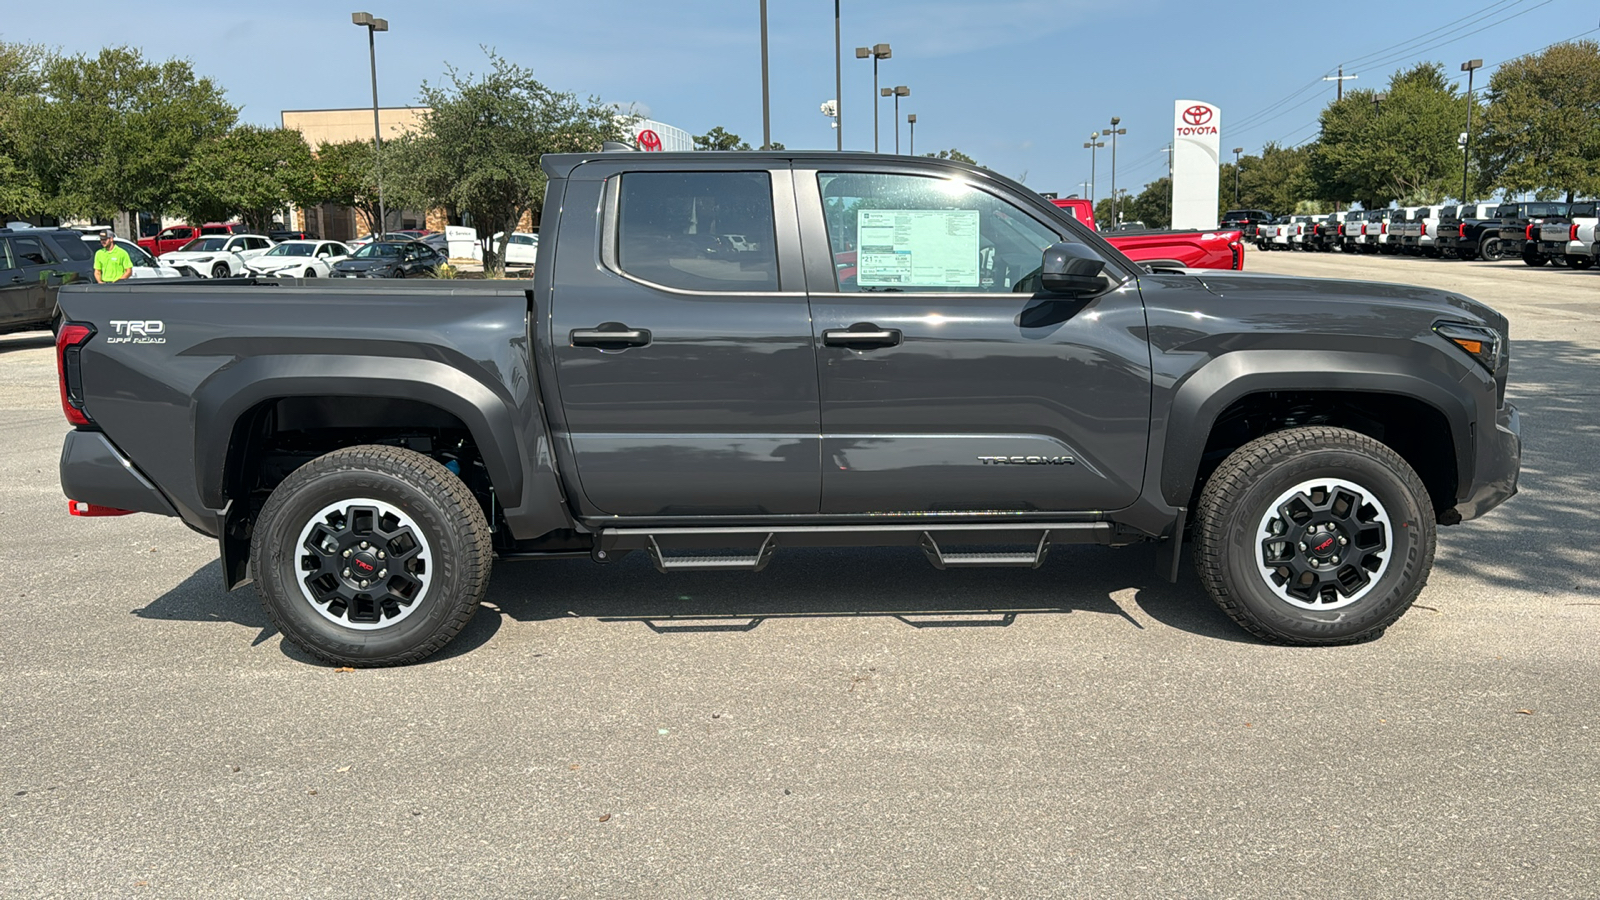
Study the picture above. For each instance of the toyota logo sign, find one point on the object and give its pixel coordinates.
(1197, 115)
(649, 140)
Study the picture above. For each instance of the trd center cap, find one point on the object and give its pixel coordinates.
(1323, 544)
(364, 566)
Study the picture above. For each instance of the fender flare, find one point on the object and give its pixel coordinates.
(1201, 398)
(233, 390)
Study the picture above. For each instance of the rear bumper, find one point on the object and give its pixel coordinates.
(1498, 465)
(94, 471)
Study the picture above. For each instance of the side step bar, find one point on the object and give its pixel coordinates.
(750, 548)
(756, 563)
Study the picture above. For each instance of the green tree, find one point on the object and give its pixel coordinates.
(718, 139)
(1402, 148)
(21, 76)
(954, 154)
(1276, 180)
(1542, 126)
(346, 174)
(479, 145)
(109, 132)
(1153, 205)
(250, 172)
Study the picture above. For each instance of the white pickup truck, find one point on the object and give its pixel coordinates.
(1573, 241)
(1419, 231)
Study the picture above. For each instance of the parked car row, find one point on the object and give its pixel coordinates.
(35, 262)
(1536, 232)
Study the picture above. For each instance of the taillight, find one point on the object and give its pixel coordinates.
(1461, 230)
(1424, 229)
(69, 366)
(1384, 229)
(1238, 254)
(1572, 235)
(1529, 232)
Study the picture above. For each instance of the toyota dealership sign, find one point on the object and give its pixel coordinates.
(1196, 162)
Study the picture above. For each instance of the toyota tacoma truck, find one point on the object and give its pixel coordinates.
(1220, 249)
(984, 379)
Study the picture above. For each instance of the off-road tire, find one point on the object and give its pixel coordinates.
(1239, 495)
(1489, 249)
(429, 499)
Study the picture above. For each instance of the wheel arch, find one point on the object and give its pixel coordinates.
(1394, 386)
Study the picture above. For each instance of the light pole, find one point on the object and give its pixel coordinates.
(373, 26)
(1236, 152)
(911, 119)
(1377, 102)
(766, 95)
(1093, 144)
(1114, 131)
(875, 53)
(896, 92)
(1470, 66)
(838, 83)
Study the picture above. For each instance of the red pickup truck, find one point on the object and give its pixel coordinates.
(176, 236)
(1222, 249)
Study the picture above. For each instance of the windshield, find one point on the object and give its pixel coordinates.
(204, 244)
(377, 251)
(291, 250)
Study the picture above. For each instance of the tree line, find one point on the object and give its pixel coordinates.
(94, 136)
(1535, 129)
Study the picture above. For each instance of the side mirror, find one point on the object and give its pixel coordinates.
(1071, 269)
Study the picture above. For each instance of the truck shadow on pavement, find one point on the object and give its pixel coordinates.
(1544, 536)
(893, 583)
(26, 340)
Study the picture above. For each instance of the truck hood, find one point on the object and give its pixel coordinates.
(1333, 292)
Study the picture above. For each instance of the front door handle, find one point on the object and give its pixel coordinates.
(610, 336)
(862, 336)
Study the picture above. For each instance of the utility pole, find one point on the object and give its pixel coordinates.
(1341, 78)
(1470, 66)
(1236, 152)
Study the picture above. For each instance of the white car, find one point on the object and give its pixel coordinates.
(217, 256)
(523, 249)
(144, 265)
(299, 259)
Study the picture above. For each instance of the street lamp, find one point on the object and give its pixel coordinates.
(1093, 144)
(896, 92)
(1114, 131)
(911, 119)
(875, 53)
(838, 83)
(1377, 101)
(373, 26)
(1470, 66)
(1236, 152)
(766, 95)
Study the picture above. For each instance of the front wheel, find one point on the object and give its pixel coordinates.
(220, 270)
(1314, 535)
(371, 556)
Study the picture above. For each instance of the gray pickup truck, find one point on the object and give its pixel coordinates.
(895, 351)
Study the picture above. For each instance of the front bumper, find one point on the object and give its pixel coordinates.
(1499, 462)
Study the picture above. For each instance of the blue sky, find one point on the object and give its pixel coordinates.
(1018, 84)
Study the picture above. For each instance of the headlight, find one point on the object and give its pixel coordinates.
(201, 259)
(1482, 344)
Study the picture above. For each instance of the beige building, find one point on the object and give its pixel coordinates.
(336, 126)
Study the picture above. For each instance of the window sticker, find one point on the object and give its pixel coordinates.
(921, 247)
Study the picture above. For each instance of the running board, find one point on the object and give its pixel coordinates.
(756, 563)
(1024, 560)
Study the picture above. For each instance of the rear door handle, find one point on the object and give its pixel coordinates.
(862, 336)
(610, 336)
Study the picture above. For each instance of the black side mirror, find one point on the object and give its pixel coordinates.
(1071, 269)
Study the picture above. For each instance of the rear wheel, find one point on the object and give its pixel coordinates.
(1534, 258)
(1314, 535)
(371, 556)
(1580, 262)
(1489, 249)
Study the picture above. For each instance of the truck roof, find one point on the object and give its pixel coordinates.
(560, 165)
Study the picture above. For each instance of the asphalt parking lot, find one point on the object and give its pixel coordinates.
(846, 723)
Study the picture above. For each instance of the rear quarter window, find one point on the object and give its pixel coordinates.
(74, 247)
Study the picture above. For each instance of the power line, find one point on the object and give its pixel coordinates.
(1445, 43)
(1424, 37)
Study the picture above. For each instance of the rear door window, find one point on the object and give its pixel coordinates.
(674, 229)
(30, 251)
